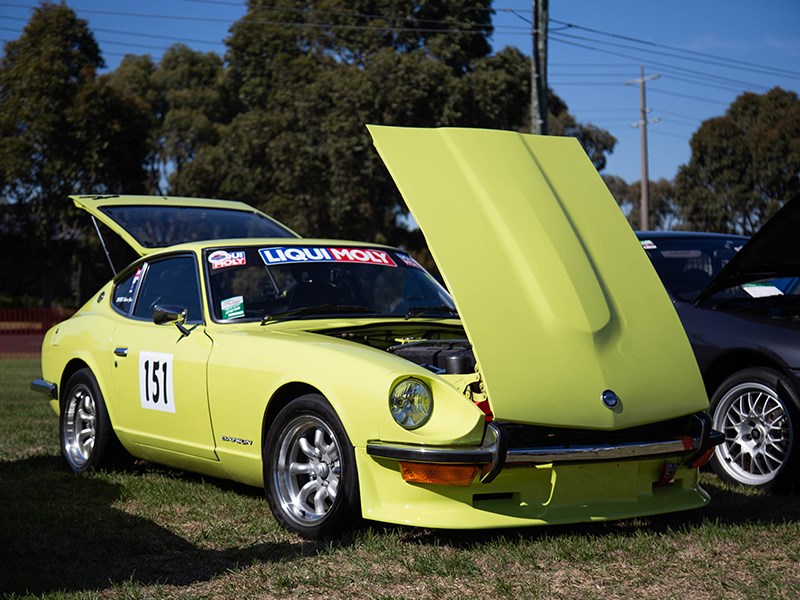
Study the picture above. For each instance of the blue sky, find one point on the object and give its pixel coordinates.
(706, 52)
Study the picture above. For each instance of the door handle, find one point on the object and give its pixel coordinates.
(123, 352)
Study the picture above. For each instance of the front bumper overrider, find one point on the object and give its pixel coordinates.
(45, 387)
(689, 438)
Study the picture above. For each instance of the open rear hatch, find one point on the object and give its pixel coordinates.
(151, 223)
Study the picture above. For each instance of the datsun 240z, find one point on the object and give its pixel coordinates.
(555, 385)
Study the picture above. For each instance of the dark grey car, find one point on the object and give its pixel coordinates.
(739, 301)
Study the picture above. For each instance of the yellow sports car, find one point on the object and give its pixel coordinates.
(555, 385)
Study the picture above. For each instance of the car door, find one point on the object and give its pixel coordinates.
(159, 374)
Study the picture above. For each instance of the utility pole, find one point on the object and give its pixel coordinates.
(539, 67)
(644, 210)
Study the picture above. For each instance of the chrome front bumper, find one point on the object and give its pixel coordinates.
(45, 387)
(496, 453)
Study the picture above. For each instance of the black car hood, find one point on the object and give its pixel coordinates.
(774, 251)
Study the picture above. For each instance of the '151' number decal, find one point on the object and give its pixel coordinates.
(155, 381)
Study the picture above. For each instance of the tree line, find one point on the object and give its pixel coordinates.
(278, 122)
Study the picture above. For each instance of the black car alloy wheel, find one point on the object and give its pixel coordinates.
(756, 411)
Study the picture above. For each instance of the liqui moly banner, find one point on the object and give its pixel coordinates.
(298, 254)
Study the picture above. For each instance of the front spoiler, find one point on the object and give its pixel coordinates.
(496, 453)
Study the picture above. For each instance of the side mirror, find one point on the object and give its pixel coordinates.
(166, 314)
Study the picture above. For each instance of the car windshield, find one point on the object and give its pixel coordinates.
(161, 226)
(276, 283)
(686, 264)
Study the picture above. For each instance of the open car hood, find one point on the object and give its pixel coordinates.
(150, 223)
(773, 252)
(556, 295)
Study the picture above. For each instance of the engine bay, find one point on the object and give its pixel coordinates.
(440, 348)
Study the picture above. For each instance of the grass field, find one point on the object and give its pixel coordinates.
(151, 532)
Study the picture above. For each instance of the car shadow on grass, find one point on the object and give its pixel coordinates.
(62, 533)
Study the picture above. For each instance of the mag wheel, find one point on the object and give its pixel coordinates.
(309, 469)
(756, 411)
(87, 440)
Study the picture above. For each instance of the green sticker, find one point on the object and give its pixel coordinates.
(232, 307)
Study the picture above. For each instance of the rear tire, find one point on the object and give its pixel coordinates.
(757, 411)
(88, 442)
(310, 474)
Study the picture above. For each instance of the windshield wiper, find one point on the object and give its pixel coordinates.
(319, 309)
(422, 311)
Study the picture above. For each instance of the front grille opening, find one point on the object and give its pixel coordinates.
(537, 436)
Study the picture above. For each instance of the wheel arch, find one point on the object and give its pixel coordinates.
(731, 362)
(72, 367)
(282, 396)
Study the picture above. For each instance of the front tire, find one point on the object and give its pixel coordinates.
(757, 411)
(88, 442)
(309, 469)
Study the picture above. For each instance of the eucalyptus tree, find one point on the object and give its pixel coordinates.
(744, 164)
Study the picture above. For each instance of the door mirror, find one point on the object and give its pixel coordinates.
(165, 314)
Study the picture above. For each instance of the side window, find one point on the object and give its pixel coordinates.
(125, 291)
(174, 282)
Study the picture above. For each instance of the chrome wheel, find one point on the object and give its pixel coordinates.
(79, 424)
(307, 469)
(758, 434)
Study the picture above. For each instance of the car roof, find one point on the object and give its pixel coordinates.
(687, 234)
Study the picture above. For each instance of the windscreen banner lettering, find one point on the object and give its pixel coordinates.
(286, 254)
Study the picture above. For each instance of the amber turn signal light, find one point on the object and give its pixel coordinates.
(461, 475)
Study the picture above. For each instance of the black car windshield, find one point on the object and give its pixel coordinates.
(299, 282)
(161, 226)
(687, 263)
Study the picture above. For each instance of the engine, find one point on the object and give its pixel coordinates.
(452, 357)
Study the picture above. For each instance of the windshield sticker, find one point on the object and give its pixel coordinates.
(155, 381)
(232, 307)
(221, 258)
(761, 290)
(682, 253)
(409, 261)
(648, 245)
(136, 278)
(285, 254)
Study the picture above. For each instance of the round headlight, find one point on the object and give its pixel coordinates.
(411, 403)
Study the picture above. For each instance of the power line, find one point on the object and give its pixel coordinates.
(471, 29)
(667, 67)
(716, 86)
(689, 54)
(690, 97)
(447, 26)
(670, 134)
(675, 72)
(661, 65)
(692, 53)
(677, 122)
(587, 83)
(679, 115)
